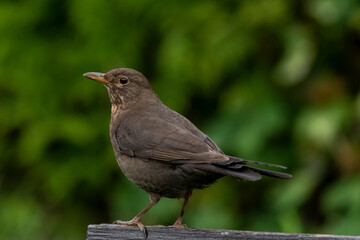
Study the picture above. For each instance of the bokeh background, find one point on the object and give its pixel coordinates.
(275, 81)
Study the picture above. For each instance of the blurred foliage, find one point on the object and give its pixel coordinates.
(274, 81)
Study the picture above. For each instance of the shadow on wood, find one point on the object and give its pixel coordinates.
(112, 232)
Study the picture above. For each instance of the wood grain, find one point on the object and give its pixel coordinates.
(112, 232)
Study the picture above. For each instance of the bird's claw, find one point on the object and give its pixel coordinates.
(134, 222)
(182, 226)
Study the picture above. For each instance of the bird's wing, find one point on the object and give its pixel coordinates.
(158, 138)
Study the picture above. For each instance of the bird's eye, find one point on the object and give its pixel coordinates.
(124, 80)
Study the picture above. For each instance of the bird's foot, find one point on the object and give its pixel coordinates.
(178, 224)
(181, 226)
(134, 222)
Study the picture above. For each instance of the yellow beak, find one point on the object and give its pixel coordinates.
(99, 77)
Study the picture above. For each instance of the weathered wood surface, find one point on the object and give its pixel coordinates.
(112, 232)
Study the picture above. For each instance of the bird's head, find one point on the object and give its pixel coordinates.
(124, 85)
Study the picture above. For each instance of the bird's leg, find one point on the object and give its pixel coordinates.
(154, 199)
(179, 220)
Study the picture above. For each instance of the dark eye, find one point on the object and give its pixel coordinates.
(124, 80)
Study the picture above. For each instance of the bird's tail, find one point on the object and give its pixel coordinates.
(238, 168)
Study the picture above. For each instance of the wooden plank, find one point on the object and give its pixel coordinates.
(112, 232)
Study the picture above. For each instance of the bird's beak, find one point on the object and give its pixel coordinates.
(99, 77)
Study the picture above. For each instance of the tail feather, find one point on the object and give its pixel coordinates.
(264, 164)
(236, 160)
(236, 167)
(270, 173)
(245, 173)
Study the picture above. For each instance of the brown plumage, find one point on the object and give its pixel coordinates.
(161, 151)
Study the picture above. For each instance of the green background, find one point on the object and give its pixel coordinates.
(275, 81)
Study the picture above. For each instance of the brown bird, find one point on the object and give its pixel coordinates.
(161, 151)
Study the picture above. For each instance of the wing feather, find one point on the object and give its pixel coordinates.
(159, 139)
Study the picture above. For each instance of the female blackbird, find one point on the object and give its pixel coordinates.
(161, 151)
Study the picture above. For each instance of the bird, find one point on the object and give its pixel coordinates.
(161, 151)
